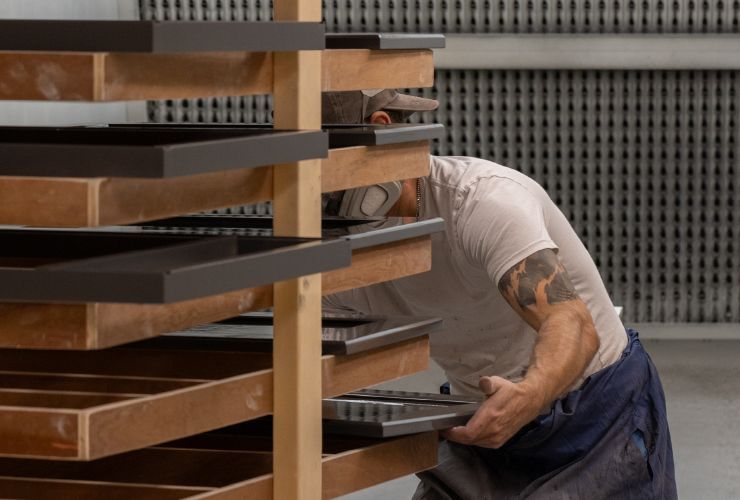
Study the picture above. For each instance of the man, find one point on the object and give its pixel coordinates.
(573, 405)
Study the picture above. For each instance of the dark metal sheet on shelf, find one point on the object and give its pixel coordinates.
(341, 334)
(340, 135)
(384, 41)
(362, 233)
(148, 152)
(383, 414)
(95, 266)
(158, 37)
(378, 414)
(343, 136)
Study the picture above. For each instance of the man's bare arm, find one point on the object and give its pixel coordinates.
(540, 291)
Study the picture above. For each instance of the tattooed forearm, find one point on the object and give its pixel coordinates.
(540, 279)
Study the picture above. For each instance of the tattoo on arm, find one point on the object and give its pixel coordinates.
(538, 280)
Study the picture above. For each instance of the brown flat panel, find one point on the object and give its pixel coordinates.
(239, 472)
(352, 470)
(47, 399)
(120, 323)
(47, 201)
(178, 414)
(182, 76)
(49, 76)
(157, 466)
(382, 263)
(39, 432)
(67, 202)
(69, 326)
(191, 366)
(362, 166)
(357, 69)
(355, 470)
(343, 374)
(92, 384)
(96, 326)
(123, 201)
(43, 489)
(120, 76)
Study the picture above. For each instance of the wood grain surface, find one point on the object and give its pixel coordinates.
(87, 202)
(66, 76)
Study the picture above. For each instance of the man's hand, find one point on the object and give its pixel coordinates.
(508, 408)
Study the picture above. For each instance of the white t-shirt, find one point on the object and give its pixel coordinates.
(495, 217)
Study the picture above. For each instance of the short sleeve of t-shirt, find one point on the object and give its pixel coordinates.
(500, 223)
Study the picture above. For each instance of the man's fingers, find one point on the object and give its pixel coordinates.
(458, 434)
(489, 385)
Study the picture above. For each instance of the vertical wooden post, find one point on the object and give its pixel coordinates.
(297, 212)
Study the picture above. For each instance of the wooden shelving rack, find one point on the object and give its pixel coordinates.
(293, 383)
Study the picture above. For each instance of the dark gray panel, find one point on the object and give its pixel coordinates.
(384, 414)
(380, 135)
(159, 37)
(362, 233)
(384, 41)
(58, 266)
(140, 151)
(341, 334)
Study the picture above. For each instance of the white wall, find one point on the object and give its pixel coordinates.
(66, 113)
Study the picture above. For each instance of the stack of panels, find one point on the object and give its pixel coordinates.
(79, 405)
(71, 298)
(643, 163)
(117, 174)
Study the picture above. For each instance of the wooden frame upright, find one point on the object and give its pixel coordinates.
(297, 439)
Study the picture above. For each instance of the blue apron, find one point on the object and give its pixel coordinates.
(607, 439)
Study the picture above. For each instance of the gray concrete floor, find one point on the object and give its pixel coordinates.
(702, 384)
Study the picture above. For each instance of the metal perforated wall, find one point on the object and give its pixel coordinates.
(481, 16)
(643, 163)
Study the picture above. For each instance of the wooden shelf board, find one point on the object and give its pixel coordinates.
(92, 202)
(229, 394)
(86, 76)
(241, 470)
(97, 325)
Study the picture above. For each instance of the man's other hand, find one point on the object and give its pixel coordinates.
(508, 408)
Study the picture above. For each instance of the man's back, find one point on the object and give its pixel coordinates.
(495, 218)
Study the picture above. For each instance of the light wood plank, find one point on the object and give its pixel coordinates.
(240, 473)
(69, 202)
(297, 324)
(343, 374)
(382, 263)
(357, 69)
(66, 76)
(54, 489)
(346, 168)
(352, 470)
(179, 467)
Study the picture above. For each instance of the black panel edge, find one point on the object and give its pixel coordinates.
(384, 41)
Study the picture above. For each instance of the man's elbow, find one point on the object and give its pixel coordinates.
(589, 338)
(591, 342)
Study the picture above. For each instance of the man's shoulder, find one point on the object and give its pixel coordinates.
(462, 173)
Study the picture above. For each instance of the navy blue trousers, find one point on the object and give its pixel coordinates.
(607, 439)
